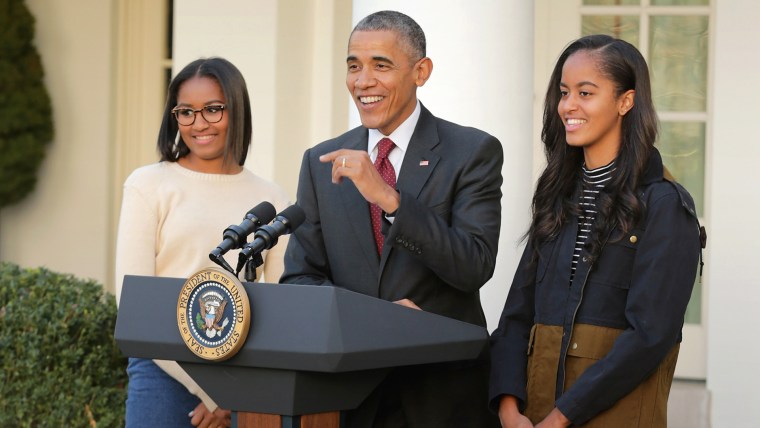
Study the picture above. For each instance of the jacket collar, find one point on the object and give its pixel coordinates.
(653, 171)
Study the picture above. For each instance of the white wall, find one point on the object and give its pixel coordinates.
(64, 223)
(482, 76)
(733, 251)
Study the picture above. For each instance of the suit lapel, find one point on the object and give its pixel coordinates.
(358, 208)
(419, 163)
(420, 160)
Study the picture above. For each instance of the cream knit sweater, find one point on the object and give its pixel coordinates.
(171, 219)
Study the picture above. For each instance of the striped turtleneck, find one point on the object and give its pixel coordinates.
(593, 181)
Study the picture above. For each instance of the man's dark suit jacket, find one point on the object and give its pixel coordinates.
(439, 251)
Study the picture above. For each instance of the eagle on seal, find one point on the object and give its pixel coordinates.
(212, 310)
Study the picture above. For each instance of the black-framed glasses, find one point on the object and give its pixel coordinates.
(211, 114)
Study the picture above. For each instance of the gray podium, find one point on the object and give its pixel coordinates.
(311, 350)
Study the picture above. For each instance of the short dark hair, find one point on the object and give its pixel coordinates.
(407, 29)
(238, 107)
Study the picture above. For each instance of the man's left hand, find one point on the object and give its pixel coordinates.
(408, 303)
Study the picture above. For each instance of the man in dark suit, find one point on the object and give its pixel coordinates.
(431, 241)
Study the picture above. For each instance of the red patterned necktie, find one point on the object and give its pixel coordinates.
(385, 168)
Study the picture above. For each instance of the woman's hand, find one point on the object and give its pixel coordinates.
(555, 419)
(509, 414)
(202, 418)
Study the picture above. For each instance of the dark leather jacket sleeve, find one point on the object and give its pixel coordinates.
(509, 342)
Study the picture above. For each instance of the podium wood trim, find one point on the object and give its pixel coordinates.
(264, 420)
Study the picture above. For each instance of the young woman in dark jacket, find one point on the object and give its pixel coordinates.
(590, 332)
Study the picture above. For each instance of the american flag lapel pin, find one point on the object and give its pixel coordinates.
(424, 162)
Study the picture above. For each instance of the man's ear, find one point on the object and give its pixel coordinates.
(423, 68)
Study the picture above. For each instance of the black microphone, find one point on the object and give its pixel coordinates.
(266, 236)
(235, 236)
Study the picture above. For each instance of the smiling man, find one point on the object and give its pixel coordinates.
(406, 208)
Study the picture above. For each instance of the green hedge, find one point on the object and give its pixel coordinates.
(26, 118)
(60, 363)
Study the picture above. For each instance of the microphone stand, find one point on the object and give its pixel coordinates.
(250, 267)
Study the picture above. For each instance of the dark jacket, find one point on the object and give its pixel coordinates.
(623, 313)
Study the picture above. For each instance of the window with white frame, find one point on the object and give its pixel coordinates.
(673, 37)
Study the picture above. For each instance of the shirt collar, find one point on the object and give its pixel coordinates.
(401, 136)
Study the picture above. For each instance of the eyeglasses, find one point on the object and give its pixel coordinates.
(211, 114)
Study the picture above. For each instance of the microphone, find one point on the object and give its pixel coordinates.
(266, 236)
(235, 236)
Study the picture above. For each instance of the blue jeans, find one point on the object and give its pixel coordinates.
(155, 399)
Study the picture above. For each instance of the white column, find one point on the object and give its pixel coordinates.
(482, 76)
(731, 271)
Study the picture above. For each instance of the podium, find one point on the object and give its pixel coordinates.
(311, 351)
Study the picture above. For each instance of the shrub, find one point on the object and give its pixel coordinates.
(60, 363)
(26, 126)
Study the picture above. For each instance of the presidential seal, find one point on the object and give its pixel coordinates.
(213, 314)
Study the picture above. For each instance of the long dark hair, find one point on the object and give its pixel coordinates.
(618, 205)
(238, 107)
